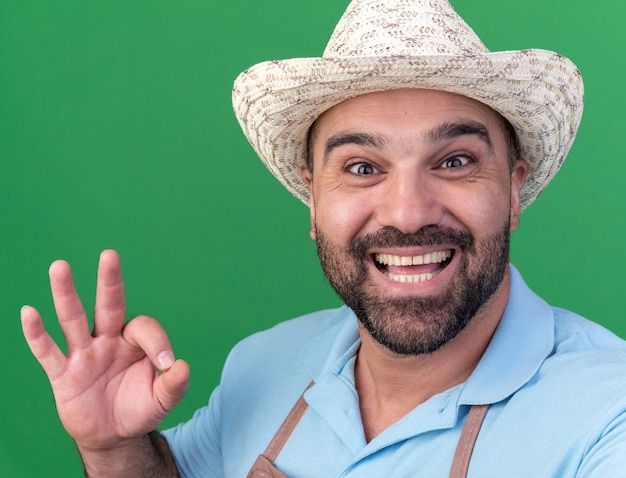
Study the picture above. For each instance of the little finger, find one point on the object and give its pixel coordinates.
(45, 350)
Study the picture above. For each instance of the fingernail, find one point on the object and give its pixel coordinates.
(165, 359)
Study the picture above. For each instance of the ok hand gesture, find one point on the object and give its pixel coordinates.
(115, 383)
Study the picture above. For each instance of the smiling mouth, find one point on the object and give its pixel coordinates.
(413, 269)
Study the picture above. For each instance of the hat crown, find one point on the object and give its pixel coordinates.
(375, 28)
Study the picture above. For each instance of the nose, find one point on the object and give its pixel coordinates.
(408, 203)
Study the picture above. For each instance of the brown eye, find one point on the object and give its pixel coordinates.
(362, 169)
(455, 162)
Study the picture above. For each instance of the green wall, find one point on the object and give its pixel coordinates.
(116, 131)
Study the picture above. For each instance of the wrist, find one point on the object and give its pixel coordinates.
(144, 456)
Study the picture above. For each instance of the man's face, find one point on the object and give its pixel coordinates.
(412, 204)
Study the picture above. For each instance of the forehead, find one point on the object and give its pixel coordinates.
(409, 111)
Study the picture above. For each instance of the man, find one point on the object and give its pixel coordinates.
(416, 150)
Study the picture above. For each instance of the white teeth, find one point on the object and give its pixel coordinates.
(430, 258)
(409, 278)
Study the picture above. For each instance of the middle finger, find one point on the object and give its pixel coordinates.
(110, 310)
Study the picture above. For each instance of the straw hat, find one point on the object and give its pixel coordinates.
(390, 44)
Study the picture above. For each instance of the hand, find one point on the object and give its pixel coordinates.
(115, 383)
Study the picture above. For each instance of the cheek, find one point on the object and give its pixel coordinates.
(482, 211)
(341, 218)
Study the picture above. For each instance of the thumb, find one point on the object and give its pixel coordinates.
(171, 385)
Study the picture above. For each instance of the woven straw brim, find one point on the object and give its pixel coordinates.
(539, 92)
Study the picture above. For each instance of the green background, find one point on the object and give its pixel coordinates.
(116, 131)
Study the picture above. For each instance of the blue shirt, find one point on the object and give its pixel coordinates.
(556, 384)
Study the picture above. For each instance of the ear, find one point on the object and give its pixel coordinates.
(308, 179)
(518, 177)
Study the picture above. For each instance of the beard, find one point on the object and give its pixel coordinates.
(417, 325)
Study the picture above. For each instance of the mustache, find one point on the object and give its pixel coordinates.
(390, 236)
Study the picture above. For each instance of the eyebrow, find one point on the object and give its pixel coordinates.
(449, 131)
(360, 139)
(439, 134)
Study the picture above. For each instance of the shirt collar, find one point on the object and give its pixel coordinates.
(522, 341)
